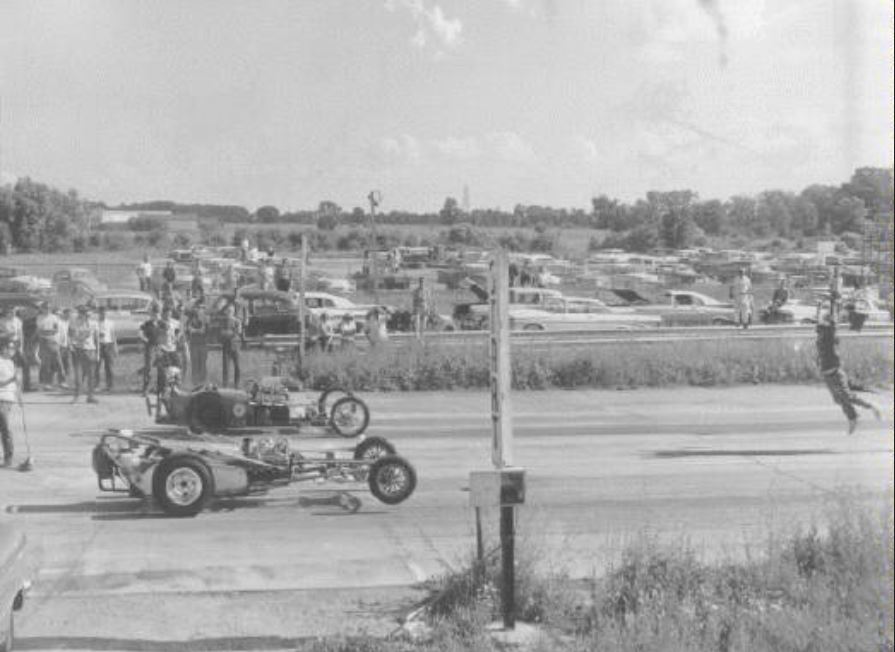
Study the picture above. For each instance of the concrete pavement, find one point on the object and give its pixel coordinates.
(721, 468)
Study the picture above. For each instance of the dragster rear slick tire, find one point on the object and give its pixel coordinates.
(182, 485)
(391, 479)
(345, 408)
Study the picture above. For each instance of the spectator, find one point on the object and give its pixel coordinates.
(108, 349)
(144, 274)
(197, 285)
(781, 294)
(267, 275)
(11, 330)
(197, 336)
(283, 277)
(375, 327)
(169, 278)
(149, 334)
(741, 293)
(48, 327)
(420, 308)
(830, 367)
(65, 344)
(231, 333)
(327, 333)
(347, 329)
(84, 335)
(9, 396)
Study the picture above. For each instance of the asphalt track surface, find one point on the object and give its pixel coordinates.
(722, 469)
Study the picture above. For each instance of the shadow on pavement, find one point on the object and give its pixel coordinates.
(779, 452)
(145, 645)
(115, 508)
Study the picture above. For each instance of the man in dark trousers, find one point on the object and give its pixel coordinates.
(150, 331)
(830, 366)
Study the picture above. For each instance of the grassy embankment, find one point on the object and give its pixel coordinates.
(824, 588)
(416, 367)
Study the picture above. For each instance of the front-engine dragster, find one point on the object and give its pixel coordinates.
(271, 401)
(183, 472)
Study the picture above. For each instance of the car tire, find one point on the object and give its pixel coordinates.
(338, 417)
(532, 328)
(372, 448)
(391, 479)
(206, 413)
(329, 397)
(182, 485)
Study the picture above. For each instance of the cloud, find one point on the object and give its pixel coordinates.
(461, 149)
(510, 146)
(401, 150)
(8, 178)
(433, 26)
(586, 150)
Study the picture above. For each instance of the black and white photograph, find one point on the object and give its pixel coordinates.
(447, 325)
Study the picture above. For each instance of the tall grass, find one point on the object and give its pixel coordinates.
(824, 588)
(619, 365)
(430, 366)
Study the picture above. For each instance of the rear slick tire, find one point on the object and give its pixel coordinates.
(391, 479)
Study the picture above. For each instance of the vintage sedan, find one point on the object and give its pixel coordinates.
(127, 310)
(683, 308)
(263, 312)
(75, 285)
(14, 581)
(578, 313)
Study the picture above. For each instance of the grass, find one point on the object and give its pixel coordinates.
(430, 366)
(825, 588)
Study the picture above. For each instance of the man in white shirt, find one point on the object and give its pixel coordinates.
(144, 274)
(108, 348)
(48, 346)
(9, 396)
(741, 293)
(84, 335)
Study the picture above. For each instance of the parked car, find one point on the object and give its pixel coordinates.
(14, 581)
(684, 308)
(333, 305)
(127, 310)
(27, 284)
(574, 313)
(263, 312)
(76, 285)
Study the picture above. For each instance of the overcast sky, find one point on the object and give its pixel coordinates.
(289, 102)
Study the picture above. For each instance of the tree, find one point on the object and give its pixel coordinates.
(267, 214)
(450, 212)
(848, 215)
(328, 215)
(874, 187)
(710, 216)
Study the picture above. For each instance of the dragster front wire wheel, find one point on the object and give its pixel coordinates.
(391, 479)
(350, 416)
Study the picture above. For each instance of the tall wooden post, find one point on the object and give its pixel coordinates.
(502, 425)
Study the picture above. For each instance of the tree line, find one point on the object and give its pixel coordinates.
(37, 217)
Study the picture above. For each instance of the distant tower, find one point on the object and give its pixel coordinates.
(466, 205)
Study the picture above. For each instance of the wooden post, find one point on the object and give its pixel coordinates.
(502, 424)
(499, 349)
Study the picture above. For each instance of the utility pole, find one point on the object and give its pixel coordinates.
(375, 197)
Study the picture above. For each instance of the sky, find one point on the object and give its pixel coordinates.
(551, 102)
